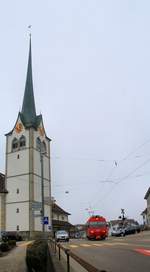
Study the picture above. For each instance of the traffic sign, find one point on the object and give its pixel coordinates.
(36, 205)
(45, 221)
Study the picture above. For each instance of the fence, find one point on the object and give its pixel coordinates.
(57, 248)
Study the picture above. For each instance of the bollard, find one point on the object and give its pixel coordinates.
(59, 251)
(68, 260)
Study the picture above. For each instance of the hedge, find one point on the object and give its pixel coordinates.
(36, 256)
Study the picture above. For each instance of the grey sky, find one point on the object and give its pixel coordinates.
(91, 72)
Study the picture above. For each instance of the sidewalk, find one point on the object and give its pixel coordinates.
(14, 261)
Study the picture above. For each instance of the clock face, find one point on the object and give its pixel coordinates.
(19, 127)
(41, 131)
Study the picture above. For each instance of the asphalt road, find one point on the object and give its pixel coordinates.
(116, 254)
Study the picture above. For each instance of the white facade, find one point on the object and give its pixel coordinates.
(23, 179)
(148, 210)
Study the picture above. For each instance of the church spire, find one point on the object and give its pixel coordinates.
(28, 111)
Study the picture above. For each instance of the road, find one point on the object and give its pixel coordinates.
(116, 254)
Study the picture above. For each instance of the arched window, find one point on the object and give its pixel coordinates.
(22, 142)
(44, 147)
(38, 144)
(14, 144)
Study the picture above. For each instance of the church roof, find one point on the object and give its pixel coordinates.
(147, 194)
(28, 112)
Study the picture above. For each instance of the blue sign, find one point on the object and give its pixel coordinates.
(45, 221)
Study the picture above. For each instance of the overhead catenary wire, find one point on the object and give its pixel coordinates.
(122, 179)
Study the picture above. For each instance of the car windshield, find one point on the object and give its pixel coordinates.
(61, 232)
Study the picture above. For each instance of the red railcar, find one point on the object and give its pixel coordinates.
(96, 228)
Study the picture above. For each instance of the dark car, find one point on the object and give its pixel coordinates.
(11, 235)
(132, 229)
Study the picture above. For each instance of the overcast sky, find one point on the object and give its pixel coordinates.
(91, 72)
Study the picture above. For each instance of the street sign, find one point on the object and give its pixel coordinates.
(49, 227)
(37, 213)
(45, 221)
(36, 205)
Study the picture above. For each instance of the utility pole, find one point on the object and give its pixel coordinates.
(123, 213)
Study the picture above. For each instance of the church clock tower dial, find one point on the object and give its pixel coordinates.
(19, 127)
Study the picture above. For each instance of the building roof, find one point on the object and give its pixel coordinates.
(61, 223)
(2, 183)
(57, 209)
(119, 221)
(144, 212)
(147, 194)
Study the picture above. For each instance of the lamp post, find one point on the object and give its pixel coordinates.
(42, 152)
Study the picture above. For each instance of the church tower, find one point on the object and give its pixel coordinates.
(28, 177)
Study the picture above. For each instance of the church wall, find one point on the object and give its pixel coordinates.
(18, 188)
(15, 219)
(37, 165)
(18, 163)
(37, 188)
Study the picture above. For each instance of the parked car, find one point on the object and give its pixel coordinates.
(132, 229)
(119, 231)
(62, 235)
(11, 235)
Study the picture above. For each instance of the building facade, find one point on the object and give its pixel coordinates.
(147, 197)
(28, 177)
(60, 219)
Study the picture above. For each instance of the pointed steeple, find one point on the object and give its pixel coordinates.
(28, 112)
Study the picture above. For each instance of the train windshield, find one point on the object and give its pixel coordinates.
(97, 224)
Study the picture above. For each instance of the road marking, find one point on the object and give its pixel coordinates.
(121, 244)
(143, 251)
(73, 246)
(85, 245)
(98, 245)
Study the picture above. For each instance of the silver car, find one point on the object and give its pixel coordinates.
(61, 235)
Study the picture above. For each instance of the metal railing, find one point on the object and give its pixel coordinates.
(57, 247)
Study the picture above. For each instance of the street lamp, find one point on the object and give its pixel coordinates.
(42, 153)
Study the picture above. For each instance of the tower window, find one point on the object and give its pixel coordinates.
(38, 144)
(14, 144)
(22, 142)
(44, 147)
(17, 210)
(17, 191)
(17, 227)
